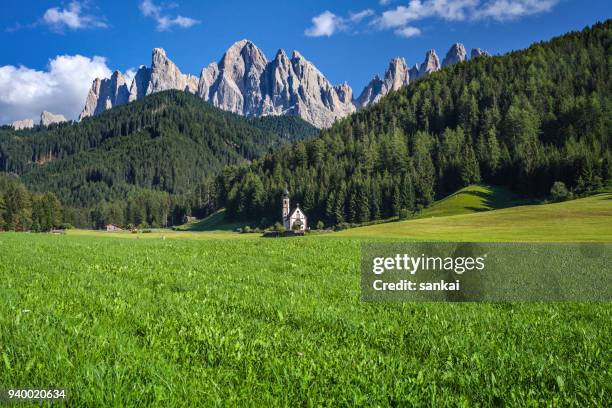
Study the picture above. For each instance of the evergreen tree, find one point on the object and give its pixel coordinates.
(470, 171)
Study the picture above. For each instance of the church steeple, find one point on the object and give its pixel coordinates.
(285, 206)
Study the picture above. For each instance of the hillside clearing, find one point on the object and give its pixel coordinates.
(587, 219)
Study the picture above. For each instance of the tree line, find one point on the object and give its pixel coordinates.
(23, 210)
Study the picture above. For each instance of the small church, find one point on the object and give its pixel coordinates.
(293, 220)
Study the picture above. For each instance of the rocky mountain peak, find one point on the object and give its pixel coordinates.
(106, 93)
(245, 82)
(281, 59)
(413, 73)
(208, 76)
(281, 54)
(431, 63)
(345, 92)
(23, 124)
(396, 76)
(48, 118)
(158, 56)
(140, 83)
(166, 75)
(371, 93)
(477, 52)
(243, 52)
(455, 54)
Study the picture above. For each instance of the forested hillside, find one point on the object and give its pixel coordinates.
(291, 128)
(138, 162)
(524, 120)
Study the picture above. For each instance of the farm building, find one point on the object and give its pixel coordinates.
(293, 220)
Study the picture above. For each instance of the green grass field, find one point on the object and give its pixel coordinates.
(586, 220)
(232, 320)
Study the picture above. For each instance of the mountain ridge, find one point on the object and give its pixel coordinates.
(245, 82)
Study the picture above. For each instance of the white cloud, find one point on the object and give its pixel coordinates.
(164, 21)
(327, 23)
(129, 75)
(453, 10)
(71, 17)
(510, 9)
(384, 2)
(400, 17)
(408, 32)
(62, 88)
(357, 17)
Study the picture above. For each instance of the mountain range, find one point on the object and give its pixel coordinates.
(245, 82)
(46, 119)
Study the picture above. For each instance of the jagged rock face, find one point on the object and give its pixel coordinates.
(316, 100)
(207, 79)
(48, 118)
(192, 83)
(396, 76)
(233, 83)
(455, 55)
(166, 75)
(414, 72)
(345, 92)
(477, 52)
(140, 83)
(105, 94)
(23, 124)
(280, 84)
(242, 68)
(431, 63)
(163, 74)
(371, 93)
(245, 82)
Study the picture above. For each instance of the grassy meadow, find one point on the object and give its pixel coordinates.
(178, 318)
(583, 220)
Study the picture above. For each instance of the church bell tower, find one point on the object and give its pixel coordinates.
(286, 207)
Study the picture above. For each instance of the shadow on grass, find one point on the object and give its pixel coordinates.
(214, 222)
(476, 209)
(494, 197)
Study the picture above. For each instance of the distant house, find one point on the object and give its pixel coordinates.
(293, 220)
(112, 228)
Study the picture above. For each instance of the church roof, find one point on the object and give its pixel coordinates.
(297, 207)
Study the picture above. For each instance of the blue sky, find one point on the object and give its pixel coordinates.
(52, 49)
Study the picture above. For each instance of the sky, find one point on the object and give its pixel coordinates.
(51, 50)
